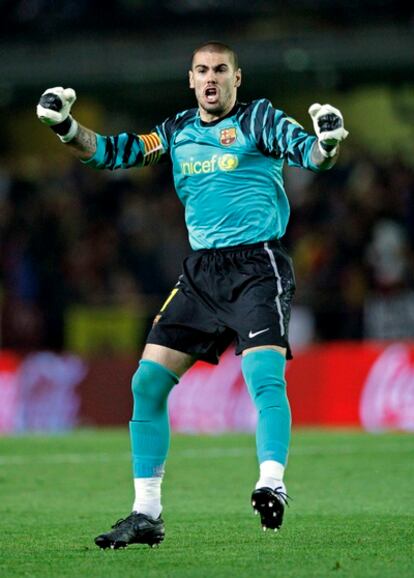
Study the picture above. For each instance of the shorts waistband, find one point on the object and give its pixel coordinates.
(275, 243)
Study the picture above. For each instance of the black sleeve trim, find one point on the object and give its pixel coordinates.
(127, 151)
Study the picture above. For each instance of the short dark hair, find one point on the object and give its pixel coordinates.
(215, 46)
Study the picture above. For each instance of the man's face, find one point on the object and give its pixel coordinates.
(215, 82)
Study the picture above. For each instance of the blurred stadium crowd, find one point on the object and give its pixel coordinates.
(71, 235)
(19, 18)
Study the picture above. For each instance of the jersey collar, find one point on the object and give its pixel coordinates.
(214, 122)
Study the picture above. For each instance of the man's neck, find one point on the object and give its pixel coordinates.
(212, 117)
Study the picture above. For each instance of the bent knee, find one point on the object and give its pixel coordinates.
(153, 381)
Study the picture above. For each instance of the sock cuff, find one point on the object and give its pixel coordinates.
(265, 354)
(161, 368)
(266, 361)
(272, 469)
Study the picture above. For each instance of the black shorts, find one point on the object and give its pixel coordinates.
(239, 293)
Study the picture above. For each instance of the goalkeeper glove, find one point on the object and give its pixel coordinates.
(54, 110)
(329, 127)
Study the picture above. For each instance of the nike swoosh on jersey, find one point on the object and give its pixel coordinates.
(251, 334)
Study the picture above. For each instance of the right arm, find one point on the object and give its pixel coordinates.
(102, 152)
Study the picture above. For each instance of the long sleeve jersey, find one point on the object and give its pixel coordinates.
(228, 173)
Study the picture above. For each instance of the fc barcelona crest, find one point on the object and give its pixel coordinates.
(228, 136)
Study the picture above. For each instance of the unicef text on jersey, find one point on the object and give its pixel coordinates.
(226, 162)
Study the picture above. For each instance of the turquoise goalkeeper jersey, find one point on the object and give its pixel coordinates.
(228, 173)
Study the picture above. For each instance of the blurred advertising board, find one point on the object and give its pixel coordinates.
(9, 391)
(212, 399)
(39, 392)
(368, 385)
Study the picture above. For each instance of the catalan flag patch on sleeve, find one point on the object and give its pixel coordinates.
(152, 148)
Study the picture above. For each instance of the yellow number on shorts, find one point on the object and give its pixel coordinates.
(169, 299)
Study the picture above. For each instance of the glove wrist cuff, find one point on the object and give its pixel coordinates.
(66, 130)
(327, 152)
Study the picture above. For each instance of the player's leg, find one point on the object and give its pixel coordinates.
(264, 372)
(184, 330)
(263, 284)
(159, 370)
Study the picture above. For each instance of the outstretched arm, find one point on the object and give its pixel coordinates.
(281, 136)
(103, 152)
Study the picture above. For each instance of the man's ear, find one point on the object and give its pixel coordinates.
(191, 78)
(238, 77)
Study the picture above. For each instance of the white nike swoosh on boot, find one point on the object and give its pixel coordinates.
(251, 334)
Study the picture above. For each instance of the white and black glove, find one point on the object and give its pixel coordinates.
(54, 110)
(329, 127)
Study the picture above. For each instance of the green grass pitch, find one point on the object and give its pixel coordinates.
(351, 514)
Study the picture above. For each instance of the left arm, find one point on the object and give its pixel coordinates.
(301, 149)
(281, 136)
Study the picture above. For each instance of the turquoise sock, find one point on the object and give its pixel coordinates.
(264, 372)
(150, 426)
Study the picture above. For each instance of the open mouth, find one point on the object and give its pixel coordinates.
(211, 94)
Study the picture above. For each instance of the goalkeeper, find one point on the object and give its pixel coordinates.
(237, 283)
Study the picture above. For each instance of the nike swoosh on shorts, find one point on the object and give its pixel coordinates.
(251, 334)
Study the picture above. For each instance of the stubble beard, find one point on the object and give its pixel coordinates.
(219, 109)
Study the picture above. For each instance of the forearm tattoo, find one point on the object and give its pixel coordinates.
(84, 143)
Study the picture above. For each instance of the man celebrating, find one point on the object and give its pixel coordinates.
(238, 282)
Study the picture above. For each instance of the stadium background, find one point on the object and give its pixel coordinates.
(87, 257)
